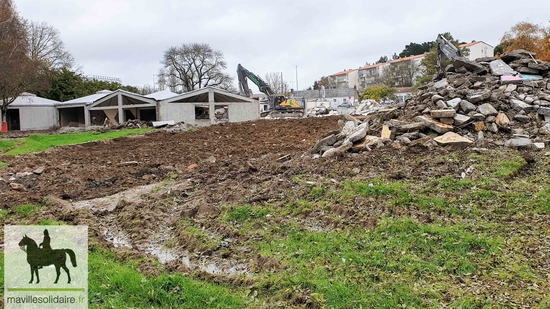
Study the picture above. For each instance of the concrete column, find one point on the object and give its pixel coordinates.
(211, 102)
(120, 110)
(87, 121)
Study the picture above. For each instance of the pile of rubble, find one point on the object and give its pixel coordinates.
(487, 103)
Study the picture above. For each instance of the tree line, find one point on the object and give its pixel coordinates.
(34, 59)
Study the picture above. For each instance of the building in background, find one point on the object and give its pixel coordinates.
(344, 79)
(478, 49)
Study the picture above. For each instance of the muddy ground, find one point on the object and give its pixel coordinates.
(166, 196)
(133, 191)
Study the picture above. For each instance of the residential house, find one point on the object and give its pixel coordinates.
(478, 49)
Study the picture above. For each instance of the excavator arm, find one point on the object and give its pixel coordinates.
(445, 49)
(243, 74)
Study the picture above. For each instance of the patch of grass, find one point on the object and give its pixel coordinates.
(3, 164)
(4, 145)
(543, 200)
(246, 212)
(376, 186)
(26, 210)
(117, 284)
(317, 192)
(41, 142)
(378, 269)
(509, 168)
(451, 183)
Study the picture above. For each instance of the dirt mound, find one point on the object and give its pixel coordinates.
(103, 168)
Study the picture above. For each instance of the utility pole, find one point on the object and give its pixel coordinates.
(296, 78)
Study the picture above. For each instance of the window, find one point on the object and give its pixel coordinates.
(202, 112)
(221, 112)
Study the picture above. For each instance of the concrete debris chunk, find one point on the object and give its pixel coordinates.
(499, 68)
(479, 96)
(519, 142)
(487, 110)
(434, 125)
(454, 103)
(502, 120)
(17, 186)
(443, 113)
(460, 119)
(451, 138)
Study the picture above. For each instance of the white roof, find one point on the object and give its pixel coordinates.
(29, 99)
(161, 95)
(89, 99)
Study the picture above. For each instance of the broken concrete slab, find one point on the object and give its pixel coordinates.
(499, 68)
(543, 66)
(530, 77)
(460, 119)
(441, 84)
(511, 88)
(519, 105)
(508, 79)
(451, 138)
(469, 65)
(467, 106)
(160, 124)
(517, 55)
(454, 103)
(487, 110)
(409, 127)
(327, 141)
(434, 125)
(544, 111)
(443, 113)
(522, 118)
(358, 134)
(502, 120)
(477, 97)
(527, 70)
(338, 150)
(519, 142)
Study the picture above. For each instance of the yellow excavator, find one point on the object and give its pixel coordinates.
(280, 106)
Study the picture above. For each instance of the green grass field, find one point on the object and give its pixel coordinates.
(41, 142)
(435, 241)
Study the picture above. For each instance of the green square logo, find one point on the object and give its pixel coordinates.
(45, 266)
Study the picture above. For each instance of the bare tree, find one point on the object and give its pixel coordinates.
(195, 66)
(46, 46)
(17, 72)
(276, 82)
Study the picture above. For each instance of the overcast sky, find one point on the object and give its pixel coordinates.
(127, 38)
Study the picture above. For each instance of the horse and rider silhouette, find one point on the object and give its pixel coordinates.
(44, 255)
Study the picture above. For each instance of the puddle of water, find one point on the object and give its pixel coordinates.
(119, 240)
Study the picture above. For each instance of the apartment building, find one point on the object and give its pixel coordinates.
(369, 75)
(344, 79)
